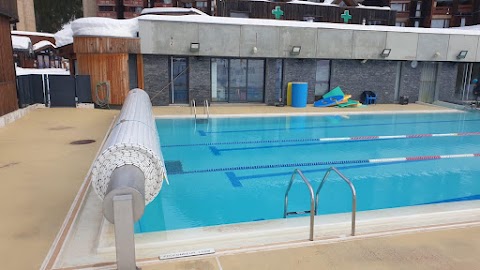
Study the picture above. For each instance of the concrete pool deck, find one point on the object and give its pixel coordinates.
(41, 174)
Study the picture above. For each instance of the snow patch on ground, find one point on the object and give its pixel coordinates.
(50, 71)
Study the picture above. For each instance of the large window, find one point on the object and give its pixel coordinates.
(440, 23)
(238, 80)
(322, 78)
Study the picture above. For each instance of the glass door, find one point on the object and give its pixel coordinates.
(238, 80)
(179, 77)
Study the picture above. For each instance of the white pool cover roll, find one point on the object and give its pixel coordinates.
(133, 140)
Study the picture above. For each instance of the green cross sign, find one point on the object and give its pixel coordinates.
(277, 12)
(346, 16)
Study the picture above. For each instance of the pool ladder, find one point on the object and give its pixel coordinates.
(314, 198)
(206, 110)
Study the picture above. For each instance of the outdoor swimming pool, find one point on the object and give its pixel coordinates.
(231, 170)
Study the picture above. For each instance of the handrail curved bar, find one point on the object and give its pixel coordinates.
(194, 107)
(352, 188)
(312, 199)
(206, 107)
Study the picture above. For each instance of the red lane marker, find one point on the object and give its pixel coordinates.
(364, 138)
(419, 135)
(423, 158)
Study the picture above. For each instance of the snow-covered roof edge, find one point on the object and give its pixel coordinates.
(21, 43)
(27, 33)
(42, 44)
(289, 23)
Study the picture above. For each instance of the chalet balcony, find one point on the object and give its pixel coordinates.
(442, 11)
(107, 14)
(106, 2)
(130, 14)
(465, 9)
(163, 5)
(403, 15)
(133, 3)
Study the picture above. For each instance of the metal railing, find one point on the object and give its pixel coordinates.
(352, 188)
(206, 108)
(193, 105)
(312, 201)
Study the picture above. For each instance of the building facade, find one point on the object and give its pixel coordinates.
(8, 86)
(230, 60)
(26, 15)
(333, 11)
(436, 13)
(125, 9)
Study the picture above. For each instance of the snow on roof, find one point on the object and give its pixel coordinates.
(21, 43)
(106, 27)
(42, 44)
(172, 10)
(372, 7)
(325, 3)
(64, 36)
(50, 71)
(469, 27)
(291, 23)
(26, 33)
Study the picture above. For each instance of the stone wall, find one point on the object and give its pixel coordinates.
(300, 70)
(155, 68)
(410, 81)
(446, 80)
(353, 77)
(199, 79)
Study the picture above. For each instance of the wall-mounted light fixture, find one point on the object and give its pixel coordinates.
(254, 50)
(436, 54)
(385, 53)
(364, 61)
(296, 50)
(194, 47)
(462, 55)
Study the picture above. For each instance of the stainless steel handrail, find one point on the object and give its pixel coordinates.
(312, 200)
(205, 108)
(352, 187)
(194, 108)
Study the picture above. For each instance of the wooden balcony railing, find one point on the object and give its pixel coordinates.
(465, 8)
(129, 14)
(107, 14)
(403, 14)
(133, 3)
(106, 2)
(442, 11)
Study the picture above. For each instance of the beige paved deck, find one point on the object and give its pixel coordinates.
(447, 249)
(41, 172)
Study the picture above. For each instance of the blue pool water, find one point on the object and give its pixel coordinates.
(233, 170)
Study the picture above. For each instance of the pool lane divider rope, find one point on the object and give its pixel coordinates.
(205, 133)
(333, 139)
(331, 163)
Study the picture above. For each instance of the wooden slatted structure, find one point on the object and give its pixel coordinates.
(8, 86)
(105, 59)
(299, 12)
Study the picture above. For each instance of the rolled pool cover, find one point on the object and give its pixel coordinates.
(133, 140)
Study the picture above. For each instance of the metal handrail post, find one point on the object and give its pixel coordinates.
(312, 199)
(194, 108)
(352, 188)
(206, 108)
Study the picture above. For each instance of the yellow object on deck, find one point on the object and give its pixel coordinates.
(289, 94)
